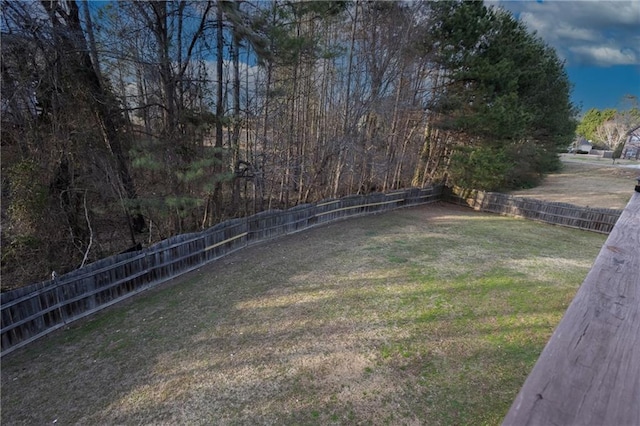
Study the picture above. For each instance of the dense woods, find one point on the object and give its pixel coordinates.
(124, 123)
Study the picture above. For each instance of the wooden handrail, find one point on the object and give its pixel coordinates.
(589, 371)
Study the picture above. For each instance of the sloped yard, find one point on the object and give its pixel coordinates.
(430, 315)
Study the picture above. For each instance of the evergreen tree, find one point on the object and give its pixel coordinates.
(505, 92)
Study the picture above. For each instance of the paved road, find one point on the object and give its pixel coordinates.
(598, 161)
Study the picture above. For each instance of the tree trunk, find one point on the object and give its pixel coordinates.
(218, 168)
(69, 38)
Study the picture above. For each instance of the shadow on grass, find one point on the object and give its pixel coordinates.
(267, 337)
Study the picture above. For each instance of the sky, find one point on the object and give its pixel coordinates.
(599, 40)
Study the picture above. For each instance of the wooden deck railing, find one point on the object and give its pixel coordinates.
(589, 371)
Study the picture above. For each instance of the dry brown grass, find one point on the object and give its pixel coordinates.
(588, 181)
(429, 315)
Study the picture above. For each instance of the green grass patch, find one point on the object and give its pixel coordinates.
(429, 315)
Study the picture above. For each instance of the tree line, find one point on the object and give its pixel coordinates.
(127, 122)
(608, 129)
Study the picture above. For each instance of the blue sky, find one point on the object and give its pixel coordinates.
(599, 41)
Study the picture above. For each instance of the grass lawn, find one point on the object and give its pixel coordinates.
(587, 180)
(431, 315)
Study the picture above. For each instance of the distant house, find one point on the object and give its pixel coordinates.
(631, 148)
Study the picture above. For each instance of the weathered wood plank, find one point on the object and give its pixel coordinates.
(39, 288)
(228, 240)
(359, 206)
(589, 371)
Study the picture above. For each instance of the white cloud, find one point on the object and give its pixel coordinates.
(603, 55)
(578, 34)
(602, 33)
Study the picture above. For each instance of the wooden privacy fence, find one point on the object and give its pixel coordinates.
(34, 311)
(569, 215)
(589, 371)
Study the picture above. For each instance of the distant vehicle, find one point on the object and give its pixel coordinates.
(584, 148)
(580, 147)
